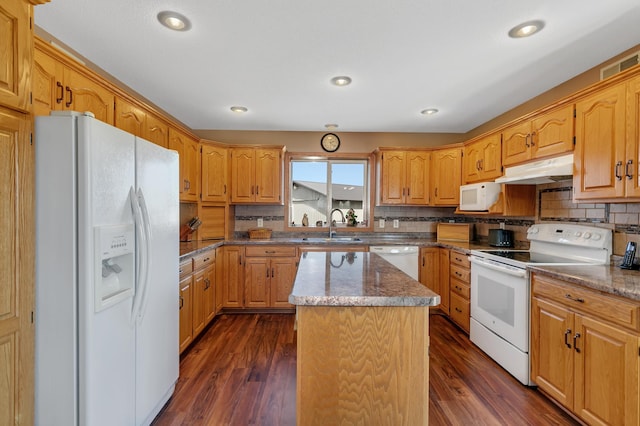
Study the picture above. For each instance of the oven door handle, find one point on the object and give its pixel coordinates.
(516, 272)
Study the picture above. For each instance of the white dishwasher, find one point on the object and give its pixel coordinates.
(405, 258)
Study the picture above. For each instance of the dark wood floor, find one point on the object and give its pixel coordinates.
(242, 371)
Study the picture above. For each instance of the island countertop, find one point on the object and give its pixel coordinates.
(355, 279)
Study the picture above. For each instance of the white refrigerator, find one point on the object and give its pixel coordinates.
(107, 298)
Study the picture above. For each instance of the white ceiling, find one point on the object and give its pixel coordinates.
(276, 57)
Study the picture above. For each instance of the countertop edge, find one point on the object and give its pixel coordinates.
(364, 301)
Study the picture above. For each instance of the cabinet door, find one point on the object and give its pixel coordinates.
(429, 272)
(516, 143)
(491, 157)
(209, 302)
(392, 177)
(233, 283)
(600, 145)
(417, 181)
(83, 94)
(16, 268)
(257, 272)
(189, 154)
(552, 132)
(48, 91)
(156, 131)
(444, 279)
(129, 117)
(242, 175)
(632, 163)
(606, 373)
(268, 176)
(552, 331)
(15, 54)
(446, 168)
(214, 173)
(186, 324)
(284, 274)
(197, 297)
(219, 281)
(471, 162)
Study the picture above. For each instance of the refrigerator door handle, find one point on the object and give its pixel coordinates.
(146, 223)
(142, 253)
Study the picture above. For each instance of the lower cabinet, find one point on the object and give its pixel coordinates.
(269, 275)
(186, 328)
(233, 277)
(585, 351)
(460, 289)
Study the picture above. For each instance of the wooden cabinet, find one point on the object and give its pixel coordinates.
(404, 177)
(460, 289)
(549, 133)
(219, 280)
(256, 175)
(233, 282)
(59, 87)
(214, 173)
(269, 275)
(186, 322)
(444, 262)
(446, 176)
(482, 159)
(16, 50)
(607, 138)
(189, 151)
(584, 351)
(137, 121)
(429, 268)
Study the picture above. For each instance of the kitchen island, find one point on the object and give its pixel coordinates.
(363, 341)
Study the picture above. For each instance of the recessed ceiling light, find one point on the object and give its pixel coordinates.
(429, 111)
(526, 29)
(341, 80)
(331, 126)
(239, 109)
(174, 21)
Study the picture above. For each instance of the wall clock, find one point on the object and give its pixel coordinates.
(330, 142)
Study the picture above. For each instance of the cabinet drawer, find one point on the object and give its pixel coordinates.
(461, 288)
(459, 273)
(459, 311)
(272, 251)
(617, 310)
(460, 259)
(185, 268)
(205, 259)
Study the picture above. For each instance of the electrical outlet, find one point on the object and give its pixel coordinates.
(260, 223)
(396, 223)
(381, 223)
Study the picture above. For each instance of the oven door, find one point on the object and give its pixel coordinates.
(500, 300)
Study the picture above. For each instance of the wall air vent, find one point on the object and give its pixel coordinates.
(621, 65)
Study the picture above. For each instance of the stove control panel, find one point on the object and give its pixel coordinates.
(570, 234)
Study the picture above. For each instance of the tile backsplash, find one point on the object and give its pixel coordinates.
(553, 204)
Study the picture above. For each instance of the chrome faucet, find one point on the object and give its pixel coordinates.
(332, 222)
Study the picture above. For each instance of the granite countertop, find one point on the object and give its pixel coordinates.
(355, 279)
(606, 278)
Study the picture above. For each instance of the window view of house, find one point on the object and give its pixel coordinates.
(327, 190)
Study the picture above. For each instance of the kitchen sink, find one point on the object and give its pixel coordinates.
(332, 240)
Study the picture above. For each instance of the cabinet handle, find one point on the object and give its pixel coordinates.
(251, 189)
(423, 261)
(61, 87)
(478, 165)
(618, 165)
(566, 335)
(206, 259)
(207, 283)
(272, 273)
(269, 251)
(627, 170)
(458, 288)
(70, 92)
(458, 310)
(532, 136)
(575, 344)
(408, 192)
(239, 260)
(575, 299)
(526, 141)
(458, 274)
(436, 194)
(181, 302)
(257, 190)
(267, 272)
(225, 188)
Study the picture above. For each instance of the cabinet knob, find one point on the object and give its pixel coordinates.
(628, 172)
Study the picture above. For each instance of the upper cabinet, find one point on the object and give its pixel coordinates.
(607, 137)
(549, 133)
(214, 173)
(404, 177)
(16, 50)
(189, 151)
(57, 87)
(256, 175)
(135, 120)
(482, 160)
(446, 176)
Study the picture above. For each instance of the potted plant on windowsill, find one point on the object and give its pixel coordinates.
(351, 218)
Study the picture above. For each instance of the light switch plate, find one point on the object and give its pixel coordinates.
(381, 223)
(260, 223)
(396, 223)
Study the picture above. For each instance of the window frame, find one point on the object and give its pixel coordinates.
(369, 190)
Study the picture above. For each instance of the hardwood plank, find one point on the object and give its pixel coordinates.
(242, 371)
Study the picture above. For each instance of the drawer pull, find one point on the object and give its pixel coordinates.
(181, 302)
(207, 283)
(458, 288)
(458, 310)
(575, 299)
(575, 344)
(566, 335)
(458, 273)
(270, 251)
(206, 259)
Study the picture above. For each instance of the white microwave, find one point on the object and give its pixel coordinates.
(479, 196)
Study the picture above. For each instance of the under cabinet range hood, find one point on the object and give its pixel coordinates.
(537, 172)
